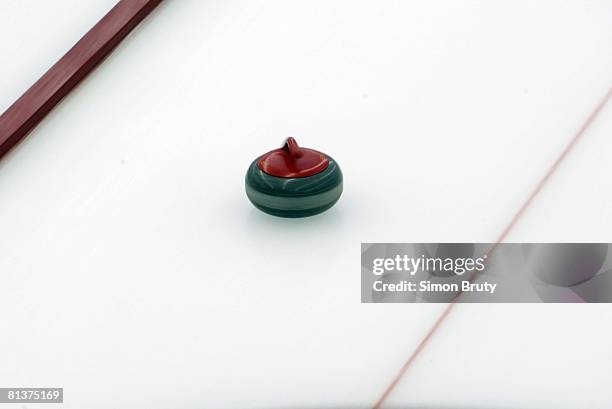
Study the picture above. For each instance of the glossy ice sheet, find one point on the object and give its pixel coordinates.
(133, 272)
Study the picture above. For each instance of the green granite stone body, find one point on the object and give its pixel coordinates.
(294, 197)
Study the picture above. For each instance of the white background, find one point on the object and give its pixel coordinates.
(135, 273)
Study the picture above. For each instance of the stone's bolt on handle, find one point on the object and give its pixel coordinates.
(292, 146)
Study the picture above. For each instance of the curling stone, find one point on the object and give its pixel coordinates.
(293, 181)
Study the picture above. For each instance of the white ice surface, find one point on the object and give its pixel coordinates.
(135, 274)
